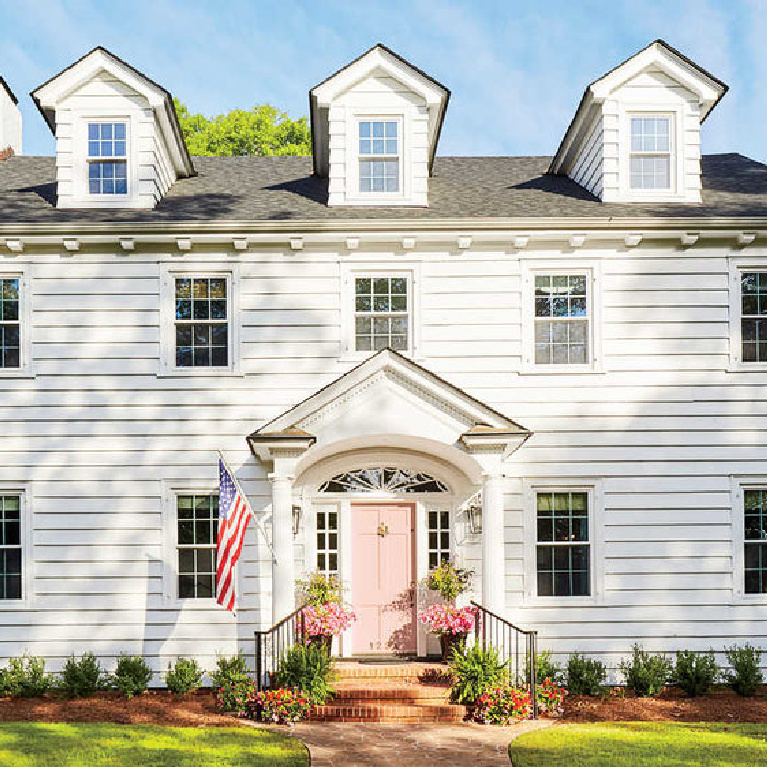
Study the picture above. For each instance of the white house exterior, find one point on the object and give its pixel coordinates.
(373, 338)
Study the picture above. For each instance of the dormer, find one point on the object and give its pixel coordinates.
(636, 134)
(118, 139)
(10, 122)
(375, 127)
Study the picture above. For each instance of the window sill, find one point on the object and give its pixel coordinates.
(559, 602)
(747, 367)
(201, 373)
(17, 373)
(538, 370)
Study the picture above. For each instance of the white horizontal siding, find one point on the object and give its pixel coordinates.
(97, 433)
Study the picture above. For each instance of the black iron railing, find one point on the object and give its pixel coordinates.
(273, 643)
(517, 648)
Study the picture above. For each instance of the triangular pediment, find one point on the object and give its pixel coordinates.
(389, 394)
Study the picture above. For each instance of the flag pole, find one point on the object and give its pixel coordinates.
(256, 521)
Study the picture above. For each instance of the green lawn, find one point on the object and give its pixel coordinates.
(33, 744)
(642, 744)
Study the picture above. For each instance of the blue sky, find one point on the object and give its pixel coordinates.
(516, 68)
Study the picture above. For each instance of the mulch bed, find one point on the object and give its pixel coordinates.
(670, 706)
(153, 707)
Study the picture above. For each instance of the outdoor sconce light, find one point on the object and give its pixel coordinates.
(473, 508)
(296, 519)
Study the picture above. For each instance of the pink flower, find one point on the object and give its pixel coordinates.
(447, 619)
(327, 619)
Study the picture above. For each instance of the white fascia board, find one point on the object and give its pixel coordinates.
(72, 79)
(328, 91)
(706, 89)
(389, 360)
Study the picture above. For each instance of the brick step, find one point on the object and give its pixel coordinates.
(394, 699)
(388, 713)
(352, 670)
(414, 693)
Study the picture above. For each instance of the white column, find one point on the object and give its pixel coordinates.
(283, 566)
(493, 554)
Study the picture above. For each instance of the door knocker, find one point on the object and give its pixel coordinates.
(383, 529)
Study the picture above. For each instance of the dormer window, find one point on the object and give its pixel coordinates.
(107, 158)
(379, 156)
(650, 154)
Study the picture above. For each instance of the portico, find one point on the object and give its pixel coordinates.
(383, 460)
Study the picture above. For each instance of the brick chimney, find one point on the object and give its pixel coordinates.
(6, 153)
(10, 122)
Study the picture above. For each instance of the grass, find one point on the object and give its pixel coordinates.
(642, 744)
(33, 744)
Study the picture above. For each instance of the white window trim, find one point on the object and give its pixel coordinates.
(23, 490)
(594, 490)
(80, 189)
(372, 157)
(738, 526)
(352, 181)
(592, 270)
(676, 144)
(738, 265)
(170, 491)
(349, 272)
(25, 370)
(167, 320)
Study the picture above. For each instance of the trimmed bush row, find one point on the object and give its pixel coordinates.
(81, 677)
(646, 674)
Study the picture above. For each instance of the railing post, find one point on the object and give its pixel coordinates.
(257, 637)
(534, 670)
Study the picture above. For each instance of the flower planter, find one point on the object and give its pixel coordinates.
(448, 642)
(321, 640)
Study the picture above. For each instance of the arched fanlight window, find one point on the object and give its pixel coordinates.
(387, 479)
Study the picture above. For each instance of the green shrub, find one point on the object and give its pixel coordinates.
(82, 677)
(25, 677)
(184, 676)
(695, 672)
(646, 674)
(474, 671)
(132, 676)
(745, 677)
(545, 668)
(449, 580)
(307, 668)
(232, 683)
(585, 676)
(230, 670)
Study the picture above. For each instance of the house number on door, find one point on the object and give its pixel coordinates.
(383, 529)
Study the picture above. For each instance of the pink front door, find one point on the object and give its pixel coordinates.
(383, 578)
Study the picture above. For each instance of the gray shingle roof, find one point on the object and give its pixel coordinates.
(283, 189)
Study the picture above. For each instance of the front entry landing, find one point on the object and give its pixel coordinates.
(383, 578)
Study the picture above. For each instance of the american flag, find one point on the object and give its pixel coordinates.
(234, 514)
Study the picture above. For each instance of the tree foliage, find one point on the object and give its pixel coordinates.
(262, 130)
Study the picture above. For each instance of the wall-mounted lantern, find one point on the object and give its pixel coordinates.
(297, 512)
(473, 509)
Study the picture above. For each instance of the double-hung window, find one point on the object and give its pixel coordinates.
(10, 546)
(755, 539)
(379, 156)
(753, 316)
(10, 322)
(563, 544)
(562, 319)
(197, 521)
(201, 322)
(107, 158)
(381, 312)
(650, 152)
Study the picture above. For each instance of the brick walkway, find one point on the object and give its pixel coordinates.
(335, 744)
